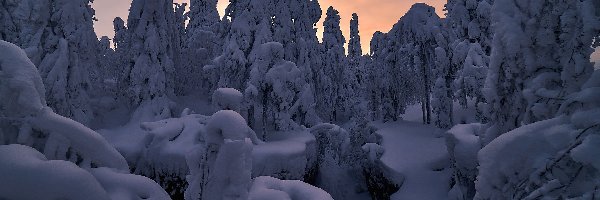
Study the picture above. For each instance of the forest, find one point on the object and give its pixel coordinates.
(498, 99)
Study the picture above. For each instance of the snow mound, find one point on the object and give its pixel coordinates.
(269, 188)
(227, 99)
(27, 174)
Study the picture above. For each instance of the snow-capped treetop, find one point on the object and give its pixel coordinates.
(354, 48)
(332, 35)
(416, 24)
(203, 14)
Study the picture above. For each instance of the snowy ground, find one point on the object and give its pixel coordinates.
(418, 152)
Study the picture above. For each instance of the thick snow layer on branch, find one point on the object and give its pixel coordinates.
(228, 124)
(86, 141)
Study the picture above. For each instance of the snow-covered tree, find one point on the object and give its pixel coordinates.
(533, 65)
(23, 23)
(70, 54)
(149, 67)
(279, 97)
(561, 160)
(470, 34)
(354, 75)
(442, 101)
(403, 60)
(334, 66)
(231, 66)
(202, 44)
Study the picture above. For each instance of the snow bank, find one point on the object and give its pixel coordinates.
(26, 174)
(269, 188)
(227, 99)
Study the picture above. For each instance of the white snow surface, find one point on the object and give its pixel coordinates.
(26, 174)
(418, 153)
(269, 188)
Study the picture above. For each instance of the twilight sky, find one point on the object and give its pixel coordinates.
(374, 15)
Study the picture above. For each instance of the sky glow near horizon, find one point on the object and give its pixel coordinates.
(374, 15)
